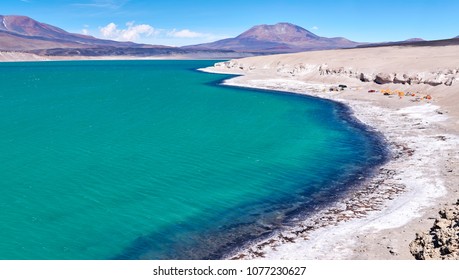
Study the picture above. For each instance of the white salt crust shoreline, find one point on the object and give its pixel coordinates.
(362, 225)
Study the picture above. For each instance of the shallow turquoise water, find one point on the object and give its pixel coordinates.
(152, 159)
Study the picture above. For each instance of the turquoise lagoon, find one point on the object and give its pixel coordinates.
(155, 160)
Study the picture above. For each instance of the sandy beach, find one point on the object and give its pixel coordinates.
(381, 216)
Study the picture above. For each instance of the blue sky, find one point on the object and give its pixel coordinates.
(179, 23)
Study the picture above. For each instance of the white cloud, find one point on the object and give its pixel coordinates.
(144, 33)
(132, 32)
(193, 37)
(185, 33)
(315, 28)
(109, 31)
(85, 31)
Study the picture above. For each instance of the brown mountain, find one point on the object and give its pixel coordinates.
(281, 37)
(21, 33)
(414, 43)
(415, 40)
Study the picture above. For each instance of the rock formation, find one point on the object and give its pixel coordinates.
(384, 78)
(440, 77)
(442, 241)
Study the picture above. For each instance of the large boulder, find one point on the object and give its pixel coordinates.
(450, 81)
(323, 69)
(414, 79)
(434, 79)
(364, 77)
(401, 78)
(384, 78)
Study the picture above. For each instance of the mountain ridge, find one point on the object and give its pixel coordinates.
(22, 33)
(280, 37)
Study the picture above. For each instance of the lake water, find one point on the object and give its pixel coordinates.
(153, 159)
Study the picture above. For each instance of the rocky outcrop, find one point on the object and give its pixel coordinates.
(384, 78)
(365, 77)
(434, 79)
(442, 241)
(449, 81)
(441, 77)
(401, 79)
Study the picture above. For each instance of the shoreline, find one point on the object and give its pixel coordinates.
(11, 56)
(378, 219)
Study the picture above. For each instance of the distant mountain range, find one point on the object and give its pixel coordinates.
(416, 42)
(21, 33)
(281, 37)
(24, 34)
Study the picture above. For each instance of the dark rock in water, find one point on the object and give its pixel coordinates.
(442, 241)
